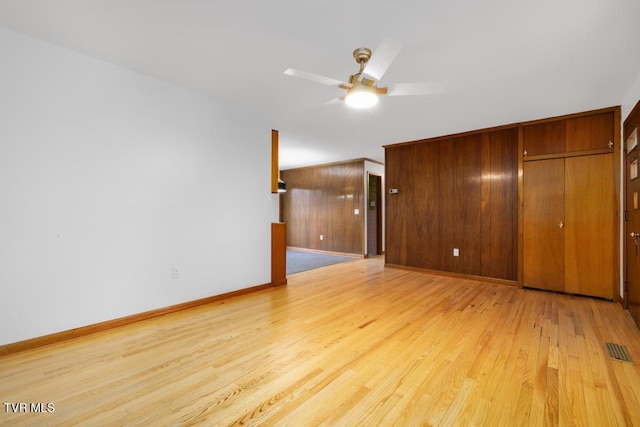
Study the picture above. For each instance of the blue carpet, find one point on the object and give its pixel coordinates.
(298, 261)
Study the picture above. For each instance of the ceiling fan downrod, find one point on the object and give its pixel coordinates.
(362, 55)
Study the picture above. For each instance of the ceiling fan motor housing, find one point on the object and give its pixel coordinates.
(362, 55)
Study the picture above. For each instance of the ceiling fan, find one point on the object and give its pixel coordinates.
(362, 89)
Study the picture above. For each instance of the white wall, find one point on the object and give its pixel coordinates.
(108, 179)
(631, 98)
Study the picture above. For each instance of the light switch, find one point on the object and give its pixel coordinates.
(356, 211)
(456, 252)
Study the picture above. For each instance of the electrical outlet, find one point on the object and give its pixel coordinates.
(456, 252)
(175, 272)
(321, 237)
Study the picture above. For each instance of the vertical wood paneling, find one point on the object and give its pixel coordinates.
(321, 200)
(396, 204)
(458, 192)
(504, 194)
(468, 188)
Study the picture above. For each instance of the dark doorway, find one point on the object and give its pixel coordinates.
(374, 215)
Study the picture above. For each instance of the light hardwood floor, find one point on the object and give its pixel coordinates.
(351, 344)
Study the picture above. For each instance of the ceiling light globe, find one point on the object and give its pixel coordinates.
(361, 99)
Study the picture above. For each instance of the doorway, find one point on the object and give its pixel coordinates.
(374, 215)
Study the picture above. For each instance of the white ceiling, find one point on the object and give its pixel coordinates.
(503, 61)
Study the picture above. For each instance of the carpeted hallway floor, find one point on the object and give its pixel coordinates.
(298, 261)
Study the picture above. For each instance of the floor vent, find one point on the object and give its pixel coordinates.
(617, 352)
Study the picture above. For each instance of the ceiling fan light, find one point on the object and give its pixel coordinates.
(361, 99)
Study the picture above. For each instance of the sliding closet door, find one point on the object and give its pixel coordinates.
(590, 226)
(543, 217)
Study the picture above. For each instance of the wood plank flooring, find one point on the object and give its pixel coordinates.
(345, 345)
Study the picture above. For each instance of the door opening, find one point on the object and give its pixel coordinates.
(374, 215)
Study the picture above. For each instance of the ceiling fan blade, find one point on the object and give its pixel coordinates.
(314, 77)
(403, 89)
(382, 58)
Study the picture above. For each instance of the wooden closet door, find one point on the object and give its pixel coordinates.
(589, 226)
(543, 241)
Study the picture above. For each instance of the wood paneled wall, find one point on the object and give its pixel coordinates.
(321, 200)
(455, 192)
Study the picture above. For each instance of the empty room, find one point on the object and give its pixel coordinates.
(462, 177)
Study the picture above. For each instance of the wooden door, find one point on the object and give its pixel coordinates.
(632, 210)
(543, 214)
(632, 226)
(589, 226)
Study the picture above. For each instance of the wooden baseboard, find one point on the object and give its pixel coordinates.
(458, 275)
(373, 255)
(622, 302)
(280, 282)
(318, 251)
(109, 324)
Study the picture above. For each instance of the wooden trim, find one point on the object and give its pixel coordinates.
(508, 126)
(572, 116)
(456, 275)
(318, 251)
(275, 174)
(367, 256)
(278, 254)
(379, 217)
(455, 135)
(617, 158)
(620, 300)
(110, 324)
(340, 162)
(573, 154)
(366, 159)
(520, 243)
